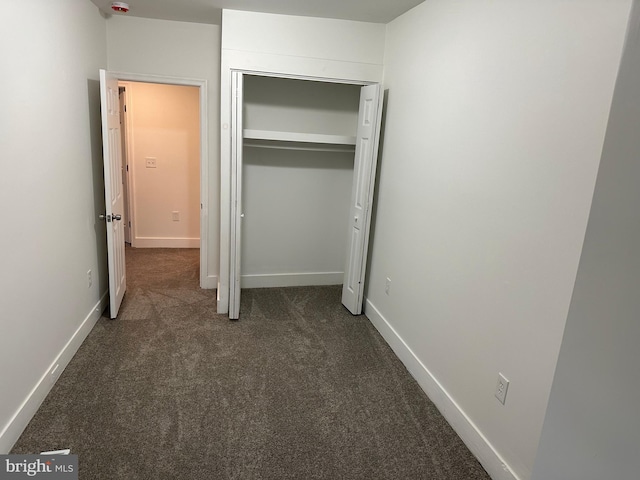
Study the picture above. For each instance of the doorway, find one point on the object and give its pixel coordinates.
(114, 183)
(161, 164)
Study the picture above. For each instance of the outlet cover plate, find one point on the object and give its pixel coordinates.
(501, 388)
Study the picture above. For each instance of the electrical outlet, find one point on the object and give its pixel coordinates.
(387, 285)
(89, 279)
(175, 216)
(150, 162)
(501, 388)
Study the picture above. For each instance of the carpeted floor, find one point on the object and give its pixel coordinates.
(297, 389)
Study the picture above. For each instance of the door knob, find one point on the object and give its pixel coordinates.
(108, 218)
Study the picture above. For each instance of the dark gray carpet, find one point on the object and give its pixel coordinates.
(297, 389)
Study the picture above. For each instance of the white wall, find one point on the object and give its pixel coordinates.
(296, 206)
(592, 427)
(177, 49)
(294, 46)
(290, 105)
(303, 37)
(495, 123)
(52, 191)
(164, 122)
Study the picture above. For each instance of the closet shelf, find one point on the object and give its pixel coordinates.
(298, 141)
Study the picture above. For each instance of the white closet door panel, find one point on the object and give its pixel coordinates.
(367, 139)
(236, 195)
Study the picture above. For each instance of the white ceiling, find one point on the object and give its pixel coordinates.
(208, 11)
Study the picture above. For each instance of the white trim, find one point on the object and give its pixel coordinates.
(127, 138)
(303, 68)
(204, 158)
(304, 279)
(129, 143)
(235, 235)
(164, 79)
(451, 411)
(210, 282)
(166, 242)
(204, 187)
(34, 399)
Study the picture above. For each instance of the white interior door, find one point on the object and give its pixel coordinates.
(113, 188)
(236, 194)
(364, 173)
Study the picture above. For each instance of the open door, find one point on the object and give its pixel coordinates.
(113, 188)
(236, 194)
(364, 173)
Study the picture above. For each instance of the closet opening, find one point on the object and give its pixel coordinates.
(303, 155)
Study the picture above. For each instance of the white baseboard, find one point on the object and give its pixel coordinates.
(451, 411)
(209, 282)
(10, 434)
(165, 242)
(291, 279)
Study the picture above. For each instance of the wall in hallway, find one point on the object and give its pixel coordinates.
(164, 167)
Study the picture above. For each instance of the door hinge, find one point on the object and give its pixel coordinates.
(125, 108)
(127, 168)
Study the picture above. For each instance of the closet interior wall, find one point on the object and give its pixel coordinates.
(296, 191)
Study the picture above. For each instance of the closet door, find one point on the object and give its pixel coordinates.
(364, 173)
(236, 194)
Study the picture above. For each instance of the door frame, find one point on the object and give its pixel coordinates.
(204, 154)
(126, 139)
(229, 175)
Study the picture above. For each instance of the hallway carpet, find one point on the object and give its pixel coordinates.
(297, 389)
